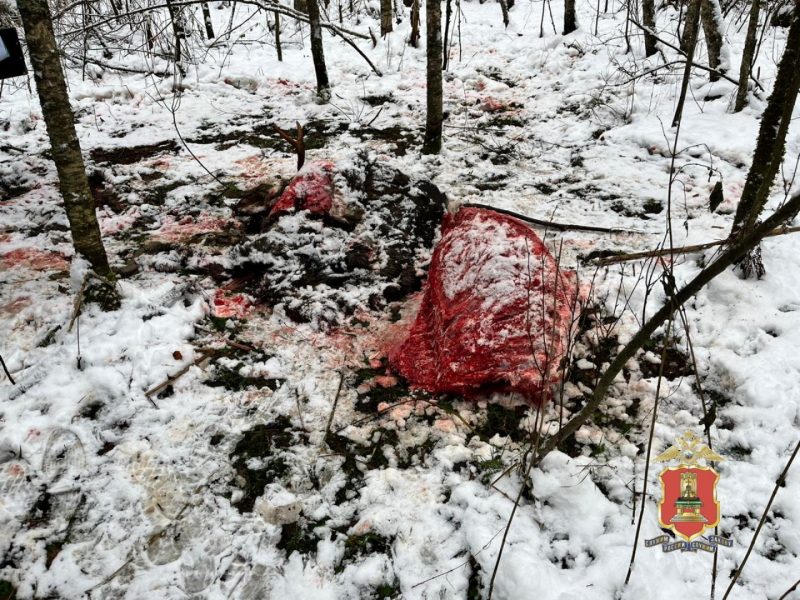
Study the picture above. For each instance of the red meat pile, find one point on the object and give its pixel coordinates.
(311, 189)
(496, 313)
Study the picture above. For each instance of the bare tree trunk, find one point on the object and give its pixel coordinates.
(317, 53)
(64, 145)
(414, 39)
(690, 34)
(570, 20)
(690, 26)
(433, 30)
(504, 10)
(207, 20)
(649, 20)
(180, 34)
(278, 36)
(711, 17)
(386, 17)
(302, 6)
(771, 143)
(747, 56)
(446, 42)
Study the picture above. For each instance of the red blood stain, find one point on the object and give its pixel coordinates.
(178, 231)
(311, 189)
(226, 306)
(33, 259)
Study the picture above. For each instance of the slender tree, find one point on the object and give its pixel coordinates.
(649, 20)
(414, 39)
(713, 28)
(64, 145)
(207, 20)
(771, 144)
(504, 10)
(690, 35)
(433, 31)
(748, 56)
(317, 52)
(386, 17)
(570, 19)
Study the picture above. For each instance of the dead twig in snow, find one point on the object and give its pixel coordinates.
(333, 410)
(181, 373)
(10, 378)
(610, 260)
(790, 590)
(79, 298)
(550, 224)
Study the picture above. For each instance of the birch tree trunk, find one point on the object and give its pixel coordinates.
(433, 123)
(64, 145)
(317, 52)
(207, 20)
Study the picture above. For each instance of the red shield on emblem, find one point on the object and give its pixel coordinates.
(689, 503)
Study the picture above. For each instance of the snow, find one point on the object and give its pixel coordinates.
(567, 138)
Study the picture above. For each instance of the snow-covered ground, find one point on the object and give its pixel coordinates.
(105, 492)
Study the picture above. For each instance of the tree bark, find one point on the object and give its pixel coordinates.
(711, 17)
(207, 20)
(771, 143)
(649, 21)
(570, 20)
(386, 17)
(504, 10)
(446, 41)
(317, 53)
(302, 6)
(747, 56)
(690, 34)
(64, 145)
(278, 36)
(433, 123)
(414, 39)
(176, 17)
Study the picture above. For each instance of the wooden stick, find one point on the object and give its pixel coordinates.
(179, 374)
(298, 144)
(333, 410)
(550, 224)
(685, 249)
(79, 299)
(10, 378)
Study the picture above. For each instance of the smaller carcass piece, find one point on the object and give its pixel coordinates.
(342, 238)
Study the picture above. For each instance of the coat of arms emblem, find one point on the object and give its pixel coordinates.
(689, 504)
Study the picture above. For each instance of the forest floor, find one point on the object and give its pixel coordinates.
(410, 501)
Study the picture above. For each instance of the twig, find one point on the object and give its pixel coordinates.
(79, 299)
(179, 374)
(790, 590)
(333, 410)
(778, 484)
(10, 378)
(464, 564)
(298, 144)
(685, 249)
(550, 224)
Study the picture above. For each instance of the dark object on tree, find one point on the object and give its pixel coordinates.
(64, 145)
(317, 51)
(433, 122)
(299, 144)
(12, 60)
(570, 20)
(771, 143)
(386, 17)
(496, 314)
(748, 55)
(716, 197)
(782, 17)
(367, 250)
(300, 6)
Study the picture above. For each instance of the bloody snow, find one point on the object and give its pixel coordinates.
(290, 459)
